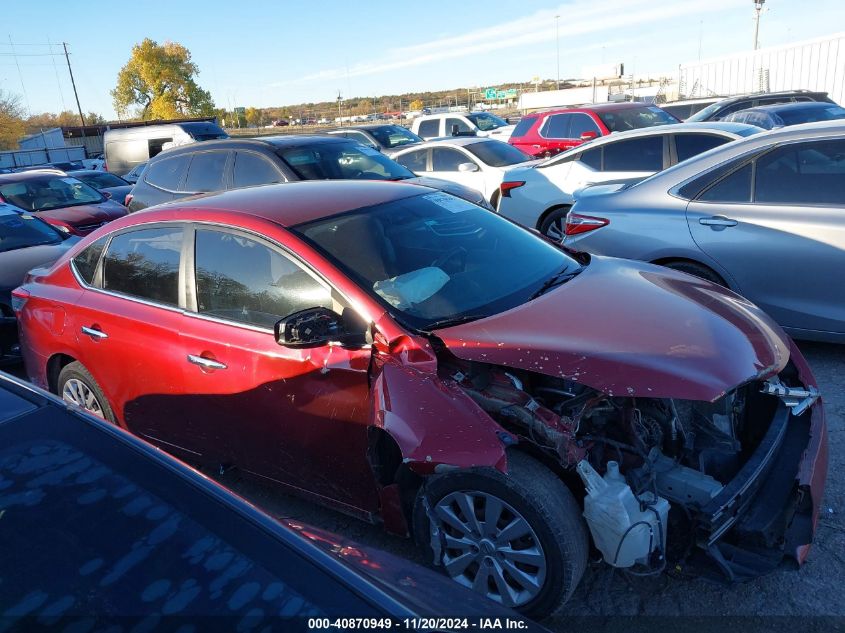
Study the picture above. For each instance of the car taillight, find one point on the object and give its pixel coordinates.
(576, 223)
(506, 187)
(127, 200)
(105, 166)
(19, 297)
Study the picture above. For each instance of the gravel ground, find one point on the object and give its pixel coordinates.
(817, 589)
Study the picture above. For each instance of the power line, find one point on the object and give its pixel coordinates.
(20, 75)
(58, 81)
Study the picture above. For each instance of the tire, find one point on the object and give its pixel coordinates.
(697, 270)
(530, 492)
(554, 224)
(71, 387)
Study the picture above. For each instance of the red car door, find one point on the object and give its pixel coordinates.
(127, 333)
(297, 416)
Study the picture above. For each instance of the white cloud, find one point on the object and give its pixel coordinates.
(579, 18)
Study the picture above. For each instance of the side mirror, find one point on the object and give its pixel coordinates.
(314, 327)
(455, 130)
(467, 167)
(588, 135)
(107, 195)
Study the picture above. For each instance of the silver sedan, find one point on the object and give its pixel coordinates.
(764, 216)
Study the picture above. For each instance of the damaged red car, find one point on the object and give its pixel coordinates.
(415, 360)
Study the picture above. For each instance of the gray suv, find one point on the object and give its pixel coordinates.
(764, 216)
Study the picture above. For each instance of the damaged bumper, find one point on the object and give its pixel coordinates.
(768, 512)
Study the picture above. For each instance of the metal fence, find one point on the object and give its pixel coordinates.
(817, 64)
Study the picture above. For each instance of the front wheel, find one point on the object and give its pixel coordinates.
(517, 539)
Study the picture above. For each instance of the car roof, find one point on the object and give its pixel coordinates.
(292, 203)
(595, 107)
(713, 99)
(31, 174)
(792, 105)
(459, 141)
(280, 141)
(781, 93)
(85, 172)
(372, 126)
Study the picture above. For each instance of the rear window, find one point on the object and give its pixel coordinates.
(497, 154)
(523, 126)
(24, 230)
(634, 118)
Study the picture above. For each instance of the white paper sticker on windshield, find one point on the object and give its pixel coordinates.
(450, 203)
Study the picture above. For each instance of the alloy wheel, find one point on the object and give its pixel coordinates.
(555, 229)
(77, 392)
(488, 546)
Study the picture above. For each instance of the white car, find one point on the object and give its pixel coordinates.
(540, 196)
(478, 163)
(443, 124)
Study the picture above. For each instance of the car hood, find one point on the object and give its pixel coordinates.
(85, 214)
(630, 328)
(118, 194)
(14, 265)
(461, 191)
(502, 133)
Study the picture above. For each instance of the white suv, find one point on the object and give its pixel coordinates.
(468, 124)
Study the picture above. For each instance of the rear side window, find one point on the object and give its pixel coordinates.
(581, 123)
(415, 161)
(556, 126)
(206, 172)
(86, 262)
(429, 128)
(735, 187)
(592, 158)
(523, 126)
(639, 154)
(689, 145)
(445, 159)
(145, 264)
(253, 169)
(241, 280)
(167, 174)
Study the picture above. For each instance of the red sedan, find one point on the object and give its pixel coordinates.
(553, 131)
(410, 358)
(61, 200)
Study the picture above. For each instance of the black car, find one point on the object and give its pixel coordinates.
(110, 185)
(721, 109)
(25, 243)
(100, 530)
(71, 165)
(234, 163)
(387, 139)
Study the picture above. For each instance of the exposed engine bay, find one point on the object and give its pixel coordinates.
(701, 486)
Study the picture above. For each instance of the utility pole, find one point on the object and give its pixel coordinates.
(73, 83)
(758, 8)
(339, 111)
(557, 43)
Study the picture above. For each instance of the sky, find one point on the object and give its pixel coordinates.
(264, 53)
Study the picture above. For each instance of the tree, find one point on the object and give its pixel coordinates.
(365, 106)
(416, 104)
(160, 80)
(11, 120)
(253, 116)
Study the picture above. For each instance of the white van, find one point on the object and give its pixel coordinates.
(125, 148)
(465, 124)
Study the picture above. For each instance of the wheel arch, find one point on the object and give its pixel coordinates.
(55, 364)
(548, 212)
(726, 279)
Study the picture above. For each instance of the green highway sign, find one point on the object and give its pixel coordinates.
(490, 93)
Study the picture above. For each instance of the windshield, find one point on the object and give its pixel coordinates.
(394, 136)
(429, 258)
(794, 116)
(634, 118)
(342, 161)
(706, 113)
(497, 154)
(485, 122)
(102, 180)
(43, 193)
(21, 230)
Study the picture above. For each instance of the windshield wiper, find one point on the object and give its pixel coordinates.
(555, 280)
(451, 321)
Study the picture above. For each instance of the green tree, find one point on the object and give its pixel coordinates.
(12, 126)
(254, 116)
(160, 81)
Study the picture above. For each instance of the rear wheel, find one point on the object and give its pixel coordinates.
(698, 270)
(517, 539)
(77, 386)
(554, 223)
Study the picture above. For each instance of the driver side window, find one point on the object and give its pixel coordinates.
(239, 279)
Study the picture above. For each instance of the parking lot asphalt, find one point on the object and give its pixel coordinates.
(814, 590)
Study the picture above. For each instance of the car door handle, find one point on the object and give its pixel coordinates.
(97, 335)
(717, 220)
(205, 363)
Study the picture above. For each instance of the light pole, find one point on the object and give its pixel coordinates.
(557, 43)
(758, 8)
(339, 112)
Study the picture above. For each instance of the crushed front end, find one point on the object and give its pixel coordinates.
(743, 475)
